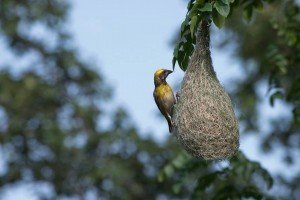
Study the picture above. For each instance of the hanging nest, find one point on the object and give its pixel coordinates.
(205, 123)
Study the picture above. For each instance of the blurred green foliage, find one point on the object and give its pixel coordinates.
(265, 36)
(269, 50)
(52, 114)
(236, 178)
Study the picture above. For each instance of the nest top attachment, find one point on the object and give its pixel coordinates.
(205, 123)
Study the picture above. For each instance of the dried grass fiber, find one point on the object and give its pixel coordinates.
(205, 123)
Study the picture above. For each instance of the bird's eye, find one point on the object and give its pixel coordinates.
(162, 75)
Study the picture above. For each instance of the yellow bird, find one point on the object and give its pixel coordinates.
(163, 95)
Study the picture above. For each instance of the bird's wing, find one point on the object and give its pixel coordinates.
(158, 103)
(172, 103)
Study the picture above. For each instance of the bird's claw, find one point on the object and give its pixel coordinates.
(177, 96)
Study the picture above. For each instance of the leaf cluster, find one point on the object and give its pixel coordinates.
(236, 178)
(215, 10)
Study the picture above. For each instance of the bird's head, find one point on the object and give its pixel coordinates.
(160, 76)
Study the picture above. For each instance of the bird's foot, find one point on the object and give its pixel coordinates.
(173, 125)
(177, 96)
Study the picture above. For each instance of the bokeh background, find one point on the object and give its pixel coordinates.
(78, 119)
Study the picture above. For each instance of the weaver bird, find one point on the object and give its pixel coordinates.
(163, 96)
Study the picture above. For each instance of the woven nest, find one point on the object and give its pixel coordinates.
(205, 123)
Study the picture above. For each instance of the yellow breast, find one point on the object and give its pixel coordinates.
(162, 90)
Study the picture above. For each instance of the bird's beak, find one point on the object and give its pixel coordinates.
(168, 72)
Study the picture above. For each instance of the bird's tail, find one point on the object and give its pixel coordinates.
(170, 125)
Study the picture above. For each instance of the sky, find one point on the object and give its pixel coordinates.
(127, 41)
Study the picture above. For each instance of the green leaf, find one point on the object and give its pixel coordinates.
(271, 51)
(166, 172)
(184, 62)
(253, 192)
(181, 160)
(294, 92)
(276, 95)
(259, 5)
(248, 3)
(169, 170)
(204, 182)
(206, 8)
(226, 2)
(174, 62)
(296, 114)
(247, 13)
(176, 50)
(218, 19)
(267, 177)
(190, 5)
(222, 8)
(160, 177)
(193, 25)
(184, 24)
(193, 11)
(176, 188)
